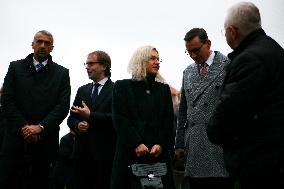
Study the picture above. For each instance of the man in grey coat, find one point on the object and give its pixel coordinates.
(204, 165)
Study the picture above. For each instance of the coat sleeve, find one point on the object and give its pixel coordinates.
(8, 99)
(182, 120)
(125, 129)
(166, 138)
(74, 119)
(61, 109)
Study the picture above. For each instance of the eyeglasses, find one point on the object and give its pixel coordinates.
(86, 64)
(195, 50)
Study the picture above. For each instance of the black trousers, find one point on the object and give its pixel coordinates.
(262, 182)
(92, 174)
(209, 183)
(24, 173)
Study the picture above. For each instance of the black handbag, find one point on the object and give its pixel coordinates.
(149, 174)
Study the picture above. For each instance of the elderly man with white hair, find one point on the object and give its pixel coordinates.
(248, 121)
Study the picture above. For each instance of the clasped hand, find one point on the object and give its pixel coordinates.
(31, 133)
(83, 126)
(142, 150)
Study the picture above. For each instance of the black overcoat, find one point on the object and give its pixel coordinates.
(31, 97)
(142, 114)
(248, 121)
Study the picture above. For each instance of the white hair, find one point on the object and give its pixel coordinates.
(138, 64)
(245, 16)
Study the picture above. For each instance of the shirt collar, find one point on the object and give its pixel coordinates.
(102, 82)
(209, 61)
(36, 62)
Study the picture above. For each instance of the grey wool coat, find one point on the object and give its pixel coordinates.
(198, 101)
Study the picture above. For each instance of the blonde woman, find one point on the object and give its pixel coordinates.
(143, 118)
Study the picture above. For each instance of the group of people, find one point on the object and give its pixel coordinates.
(229, 125)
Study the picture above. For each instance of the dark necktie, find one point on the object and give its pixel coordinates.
(39, 66)
(203, 70)
(95, 91)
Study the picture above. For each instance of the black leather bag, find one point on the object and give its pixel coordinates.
(148, 176)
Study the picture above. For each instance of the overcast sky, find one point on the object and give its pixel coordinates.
(119, 27)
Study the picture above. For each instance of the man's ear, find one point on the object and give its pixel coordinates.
(208, 43)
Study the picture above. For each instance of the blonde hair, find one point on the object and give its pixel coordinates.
(138, 64)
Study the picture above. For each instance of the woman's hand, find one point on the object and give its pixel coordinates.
(156, 150)
(141, 150)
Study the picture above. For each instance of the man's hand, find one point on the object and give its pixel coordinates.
(83, 126)
(83, 112)
(141, 150)
(179, 153)
(156, 150)
(29, 130)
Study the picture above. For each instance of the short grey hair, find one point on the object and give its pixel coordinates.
(44, 32)
(245, 16)
(138, 64)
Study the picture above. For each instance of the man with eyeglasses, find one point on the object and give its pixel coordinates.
(91, 119)
(35, 100)
(248, 122)
(204, 166)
